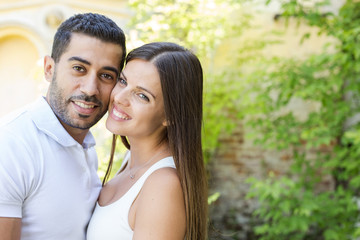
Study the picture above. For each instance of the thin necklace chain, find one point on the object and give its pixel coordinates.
(132, 175)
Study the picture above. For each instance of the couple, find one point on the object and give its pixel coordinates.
(49, 186)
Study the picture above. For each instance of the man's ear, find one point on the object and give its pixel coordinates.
(49, 68)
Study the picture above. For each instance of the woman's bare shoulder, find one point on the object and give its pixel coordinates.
(158, 202)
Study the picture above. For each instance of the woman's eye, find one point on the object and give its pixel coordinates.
(122, 81)
(143, 97)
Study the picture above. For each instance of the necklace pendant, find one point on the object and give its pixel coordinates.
(132, 176)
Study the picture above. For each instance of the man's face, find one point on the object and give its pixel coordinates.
(82, 80)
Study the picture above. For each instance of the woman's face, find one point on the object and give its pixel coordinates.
(136, 107)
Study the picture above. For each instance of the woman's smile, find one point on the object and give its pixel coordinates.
(118, 114)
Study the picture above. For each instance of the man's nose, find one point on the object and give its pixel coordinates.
(89, 85)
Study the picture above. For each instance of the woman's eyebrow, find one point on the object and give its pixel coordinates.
(144, 89)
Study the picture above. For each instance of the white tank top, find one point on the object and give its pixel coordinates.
(110, 222)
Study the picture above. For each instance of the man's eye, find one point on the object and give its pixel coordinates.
(79, 68)
(107, 76)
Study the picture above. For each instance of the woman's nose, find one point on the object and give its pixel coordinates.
(120, 95)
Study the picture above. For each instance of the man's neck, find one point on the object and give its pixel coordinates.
(76, 133)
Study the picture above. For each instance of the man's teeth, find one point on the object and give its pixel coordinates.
(80, 104)
(119, 115)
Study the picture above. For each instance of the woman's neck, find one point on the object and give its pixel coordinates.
(144, 152)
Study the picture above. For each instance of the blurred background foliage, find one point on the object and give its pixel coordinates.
(293, 206)
(256, 89)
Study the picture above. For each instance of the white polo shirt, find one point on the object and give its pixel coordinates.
(46, 177)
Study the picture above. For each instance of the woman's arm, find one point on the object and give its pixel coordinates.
(160, 208)
(10, 228)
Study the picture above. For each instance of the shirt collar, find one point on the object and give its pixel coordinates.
(47, 122)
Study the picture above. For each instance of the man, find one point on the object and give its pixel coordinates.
(48, 179)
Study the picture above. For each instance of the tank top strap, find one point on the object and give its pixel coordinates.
(163, 163)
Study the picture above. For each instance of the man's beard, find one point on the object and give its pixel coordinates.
(59, 105)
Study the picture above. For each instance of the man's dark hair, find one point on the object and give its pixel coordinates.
(91, 24)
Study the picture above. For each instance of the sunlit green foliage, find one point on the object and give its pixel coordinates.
(293, 207)
(199, 25)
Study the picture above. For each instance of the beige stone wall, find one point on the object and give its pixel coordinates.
(17, 69)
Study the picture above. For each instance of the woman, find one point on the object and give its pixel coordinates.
(160, 191)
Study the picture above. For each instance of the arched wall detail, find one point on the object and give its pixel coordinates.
(22, 31)
(20, 72)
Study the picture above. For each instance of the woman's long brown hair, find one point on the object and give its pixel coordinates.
(181, 79)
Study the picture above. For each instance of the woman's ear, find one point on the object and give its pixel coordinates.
(165, 123)
(49, 68)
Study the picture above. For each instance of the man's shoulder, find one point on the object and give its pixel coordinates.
(18, 125)
(19, 135)
(15, 120)
(23, 118)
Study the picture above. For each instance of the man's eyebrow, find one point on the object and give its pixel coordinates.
(79, 59)
(75, 58)
(112, 69)
(123, 75)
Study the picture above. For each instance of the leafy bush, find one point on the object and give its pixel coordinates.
(293, 207)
